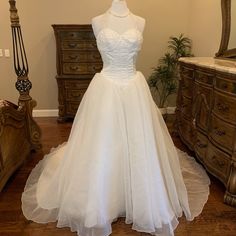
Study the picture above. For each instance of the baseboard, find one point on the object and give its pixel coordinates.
(171, 110)
(54, 113)
(45, 113)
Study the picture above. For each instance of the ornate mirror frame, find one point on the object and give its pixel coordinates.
(224, 52)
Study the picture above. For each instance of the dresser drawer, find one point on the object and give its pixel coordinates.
(77, 84)
(81, 68)
(187, 86)
(218, 162)
(201, 144)
(186, 71)
(71, 108)
(225, 107)
(78, 45)
(204, 77)
(76, 35)
(92, 56)
(78, 59)
(226, 85)
(222, 132)
(75, 94)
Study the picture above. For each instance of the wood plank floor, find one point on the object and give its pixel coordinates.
(217, 219)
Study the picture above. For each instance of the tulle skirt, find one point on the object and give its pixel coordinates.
(119, 161)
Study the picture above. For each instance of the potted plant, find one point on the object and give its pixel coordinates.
(163, 81)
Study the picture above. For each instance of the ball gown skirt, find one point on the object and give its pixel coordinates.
(119, 161)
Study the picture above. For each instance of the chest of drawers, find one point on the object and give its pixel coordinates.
(77, 60)
(206, 118)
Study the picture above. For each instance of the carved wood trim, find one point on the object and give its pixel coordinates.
(19, 133)
(218, 153)
(226, 26)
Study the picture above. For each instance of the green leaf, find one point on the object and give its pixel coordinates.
(164, 77)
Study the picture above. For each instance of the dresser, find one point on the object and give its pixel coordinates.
(77, 60)
(206, 117)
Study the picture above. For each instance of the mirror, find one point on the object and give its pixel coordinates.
(227, 48)
(232, 38)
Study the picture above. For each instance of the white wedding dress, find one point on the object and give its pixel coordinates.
(120, 160)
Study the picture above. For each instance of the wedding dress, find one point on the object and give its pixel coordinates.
(119, 160)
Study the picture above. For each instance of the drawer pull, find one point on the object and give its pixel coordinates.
(222, 107)
(95, 68)
(74, 68)
(73, 57)
(72, 45)
(72, 35)
(218, 162)
(224, 86)
(219, 132)
(201, 145)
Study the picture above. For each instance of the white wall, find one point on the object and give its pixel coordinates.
(199, 19)
(205, 26)
(7, 76)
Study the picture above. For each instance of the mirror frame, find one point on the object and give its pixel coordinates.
(224, 52)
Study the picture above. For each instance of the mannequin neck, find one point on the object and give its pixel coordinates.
(119, 8)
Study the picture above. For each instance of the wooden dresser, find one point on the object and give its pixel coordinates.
(78, 60)
(206, 117)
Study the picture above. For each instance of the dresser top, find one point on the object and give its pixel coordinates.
(212, 63)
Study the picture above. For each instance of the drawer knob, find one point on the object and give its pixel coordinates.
(73, 57)
(201, 145)
(219, 132)
(95, 68)
(222, 107)
(224, 86)
(218, 162)
(72, 45)
(72, 35)
(74, 68)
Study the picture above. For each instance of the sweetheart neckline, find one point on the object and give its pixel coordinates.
(119, 34)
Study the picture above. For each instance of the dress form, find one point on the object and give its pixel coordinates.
(119, 8)
(119, 18)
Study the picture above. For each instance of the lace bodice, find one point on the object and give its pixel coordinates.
(119, 51)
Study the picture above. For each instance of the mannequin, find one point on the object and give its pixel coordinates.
(119, 17)
(119, 8)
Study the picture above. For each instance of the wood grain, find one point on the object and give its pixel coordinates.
(217, 218)
(78, 59)
(206, 121)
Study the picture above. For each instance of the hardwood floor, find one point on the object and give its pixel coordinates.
(217, 219)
